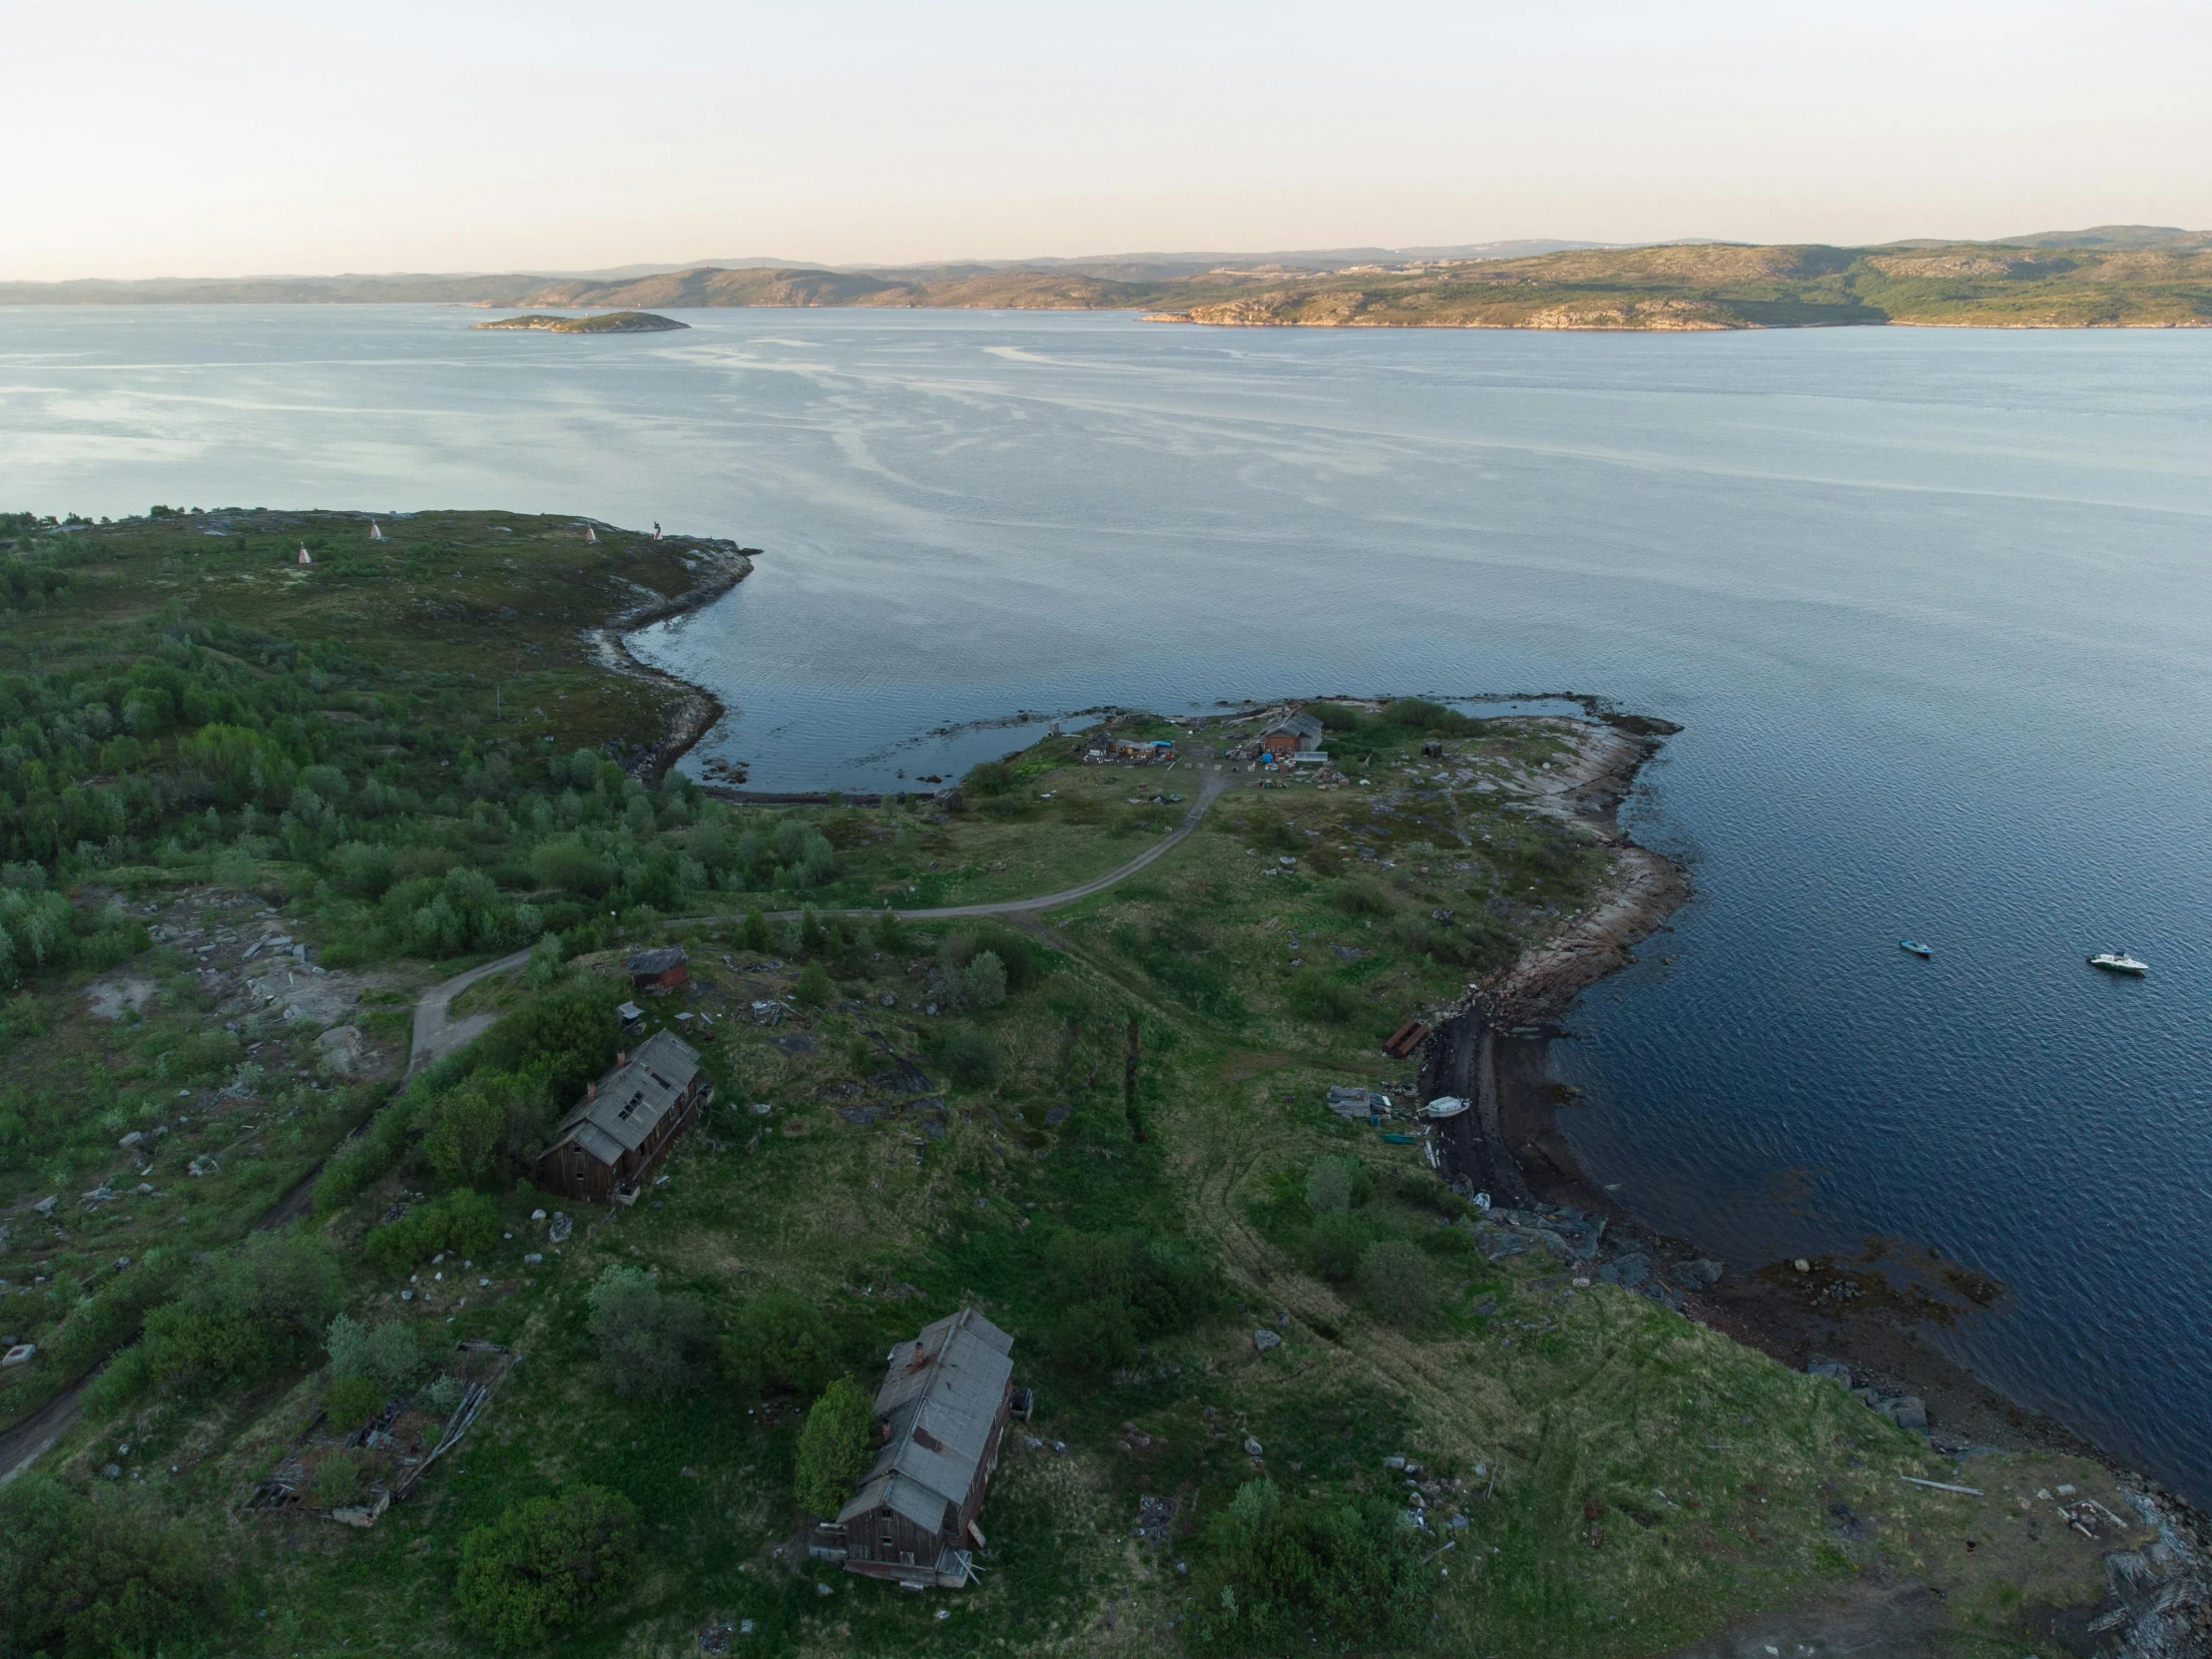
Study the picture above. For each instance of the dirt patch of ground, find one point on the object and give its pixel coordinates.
(111, 1000)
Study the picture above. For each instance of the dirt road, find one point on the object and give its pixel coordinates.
(436, 1032)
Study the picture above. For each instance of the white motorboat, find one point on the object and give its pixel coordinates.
(2118, 961)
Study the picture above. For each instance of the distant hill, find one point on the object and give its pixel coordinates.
(2107, 277)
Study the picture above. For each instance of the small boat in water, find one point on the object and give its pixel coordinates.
(1916, 948)
(2118, 961)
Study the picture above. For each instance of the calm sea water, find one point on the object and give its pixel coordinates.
(1934, 607)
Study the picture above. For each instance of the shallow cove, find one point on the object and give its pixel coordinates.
(1933, 606)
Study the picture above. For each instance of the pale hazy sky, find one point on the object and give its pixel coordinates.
(186, 138)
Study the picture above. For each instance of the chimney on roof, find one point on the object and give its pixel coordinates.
(591, 1091)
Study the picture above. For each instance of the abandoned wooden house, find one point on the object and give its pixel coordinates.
(941, 1413)
(658, 970)
(1295, 733)
(625, 1122)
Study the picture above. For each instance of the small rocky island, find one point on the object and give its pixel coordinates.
(605, 322)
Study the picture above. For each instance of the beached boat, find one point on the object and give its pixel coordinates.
(2118, 961)
(1916, 948)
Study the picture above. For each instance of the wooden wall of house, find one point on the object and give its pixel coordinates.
(908, 1545)
(573, 1173)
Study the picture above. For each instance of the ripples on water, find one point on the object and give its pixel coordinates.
(1932, 605)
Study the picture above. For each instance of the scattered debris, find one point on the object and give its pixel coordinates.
(1154, 1518)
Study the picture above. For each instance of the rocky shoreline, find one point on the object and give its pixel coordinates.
(1856, 1321)
(720, 566)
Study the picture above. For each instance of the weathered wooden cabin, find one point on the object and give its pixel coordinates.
(941, 1413)
(658, 970)
(625, 1122)
(1296, 733)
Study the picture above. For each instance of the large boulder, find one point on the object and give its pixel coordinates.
(1906, 1411)
(340, 1051)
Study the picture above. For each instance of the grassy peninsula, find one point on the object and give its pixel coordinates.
(1292, 1393)
(600, 322)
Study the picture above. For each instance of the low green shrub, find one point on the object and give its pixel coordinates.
(1336, 1242)
(778, 1342)
(541, 1566)
(1399, 1283)
(255, 1309)
(969, 1056)
(339, 1478)
(463, 1221)
(1119, 1290)
(1282, 1575)
(390, 1355)
(1314, 995)
(649, 1343)
(350, 1402)
(1362, 896)
(1329, 1184)
(987, 779)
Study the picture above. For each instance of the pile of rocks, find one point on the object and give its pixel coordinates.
(1578, 1241)
(1903, 1409)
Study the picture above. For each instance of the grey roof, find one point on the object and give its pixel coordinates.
(939, 1400)
(657, 961)
(631, 1098)
(1299, 725)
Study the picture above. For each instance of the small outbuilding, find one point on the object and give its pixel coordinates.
(613, 1138)
(941, 1413)
(658, 970)
(1294, 733)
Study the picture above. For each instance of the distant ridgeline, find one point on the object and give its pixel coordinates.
(2110, 276)
(605, 322)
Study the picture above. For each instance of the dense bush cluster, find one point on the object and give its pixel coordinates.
(462, 1221)
(1116, 1291)
(779, 1343)
(648, 1341)
(1281, 1574)
(245, 1312)
(97, 1576)
(543, 1564)
(1380, 1243)
(243, 758)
